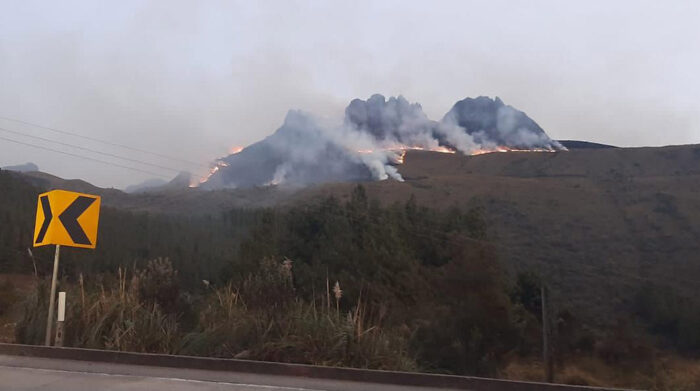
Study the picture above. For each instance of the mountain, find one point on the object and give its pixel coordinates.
(492, 122)
(46, 182)
(27, 167)
(599, 223)
(147, 185)
(299, 152)
(577, 144)
(370, 142)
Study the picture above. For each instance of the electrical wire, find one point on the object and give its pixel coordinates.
(84, 157)
(91, 150)
(103, 141)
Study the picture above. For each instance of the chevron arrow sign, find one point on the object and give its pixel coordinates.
(67, 218)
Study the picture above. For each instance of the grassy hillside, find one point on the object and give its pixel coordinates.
(198, 246)
(462, 243)
(598, 224)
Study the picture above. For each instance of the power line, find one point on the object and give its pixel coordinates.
(84, 157)
(90, 150)
(103, 141)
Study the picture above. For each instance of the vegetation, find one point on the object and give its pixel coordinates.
(349, 283)
(262, 318)
(198, 246)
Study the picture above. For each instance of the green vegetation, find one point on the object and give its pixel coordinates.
(8, 296)
(262, 318)
(671, 316)
(198, 246)
(418, 289)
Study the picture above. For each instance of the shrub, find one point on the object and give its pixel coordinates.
(8, 296)
(31, 329)
(263, 320)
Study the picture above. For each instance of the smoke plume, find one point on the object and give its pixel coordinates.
(372, 140)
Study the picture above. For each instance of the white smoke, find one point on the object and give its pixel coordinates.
(371, 140)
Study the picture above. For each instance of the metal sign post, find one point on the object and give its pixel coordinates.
(52, 298)
(75, 225)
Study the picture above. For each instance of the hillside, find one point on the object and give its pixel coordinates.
(585, 218)
(613, 232)
(306, 150)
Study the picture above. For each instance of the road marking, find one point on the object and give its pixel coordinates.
(260, 386)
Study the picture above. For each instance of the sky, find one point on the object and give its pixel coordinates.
(192, 79)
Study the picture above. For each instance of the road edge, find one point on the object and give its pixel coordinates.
(286, 369)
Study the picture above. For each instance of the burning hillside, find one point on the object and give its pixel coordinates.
(372, 140)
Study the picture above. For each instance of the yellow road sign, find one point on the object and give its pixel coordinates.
(67, 218)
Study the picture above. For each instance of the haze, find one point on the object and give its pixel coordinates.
(193, 79)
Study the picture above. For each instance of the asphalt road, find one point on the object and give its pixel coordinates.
(30, 373)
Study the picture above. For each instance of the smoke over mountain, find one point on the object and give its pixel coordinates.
(372, 140)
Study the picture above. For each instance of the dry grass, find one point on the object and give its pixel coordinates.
(260, 319)
(12, 287)
(670, 373)
(679, 374)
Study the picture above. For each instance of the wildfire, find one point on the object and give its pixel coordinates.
(198, 181)
(235, 149)
(508, 149)
(401, 150)
(404, 148)
(402, 157)
(440, 149)
(397, 157)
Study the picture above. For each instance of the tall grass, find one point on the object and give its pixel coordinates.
(119, 318)
(31, 328)
(111, 315)
(261, 318)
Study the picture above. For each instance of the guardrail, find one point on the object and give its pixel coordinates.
(284, 369)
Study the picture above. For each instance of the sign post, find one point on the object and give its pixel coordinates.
(49, 319)
(76, 226)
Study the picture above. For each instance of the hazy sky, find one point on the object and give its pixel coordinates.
(194, 78)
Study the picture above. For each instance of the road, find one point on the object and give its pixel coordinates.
(31, 373)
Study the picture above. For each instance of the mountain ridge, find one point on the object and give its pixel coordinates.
(368, 144)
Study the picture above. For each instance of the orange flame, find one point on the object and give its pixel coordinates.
(508, 149)
(398, 159)
(440, 149)
(196, 181)
(404, 148)
(235, 149)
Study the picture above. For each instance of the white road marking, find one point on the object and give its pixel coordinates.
(257, 386)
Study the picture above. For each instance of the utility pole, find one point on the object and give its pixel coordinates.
(546, 350)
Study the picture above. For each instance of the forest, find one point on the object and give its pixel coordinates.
(346, 283)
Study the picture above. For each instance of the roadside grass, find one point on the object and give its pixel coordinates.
(13, 288)
(669, 373)
(260, 319)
